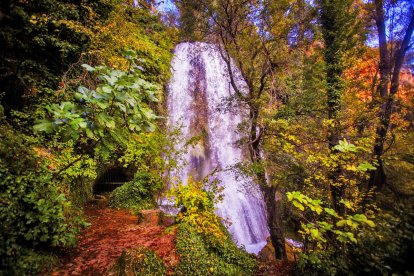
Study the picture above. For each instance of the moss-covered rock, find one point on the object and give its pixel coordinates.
(199, 257)
(138, 262)
(137, 194)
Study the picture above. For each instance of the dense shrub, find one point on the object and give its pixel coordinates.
(136, 194)
(204, 245)
(197, 210)
(384, 250)
(34, 214)
(200, 257)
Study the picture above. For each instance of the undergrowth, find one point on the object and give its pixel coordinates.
(140, 262)
(35, 215)
(199, 257)
(203, 243)
(137, 194)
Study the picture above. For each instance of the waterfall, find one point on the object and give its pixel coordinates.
(198, 85)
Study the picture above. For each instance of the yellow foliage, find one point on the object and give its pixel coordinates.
(197, 210)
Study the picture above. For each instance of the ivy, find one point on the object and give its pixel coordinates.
(35, 213)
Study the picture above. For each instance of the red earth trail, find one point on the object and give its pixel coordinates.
(111, 232)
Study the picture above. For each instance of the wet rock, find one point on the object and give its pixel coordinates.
(149, 216)
(100, 201)
(166, 220)
(268, 252)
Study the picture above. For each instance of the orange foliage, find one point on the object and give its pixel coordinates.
(364, 76)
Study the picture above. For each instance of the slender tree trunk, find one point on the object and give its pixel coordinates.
(273, 207)
(378, 177)
(273, 203)
(335, 89)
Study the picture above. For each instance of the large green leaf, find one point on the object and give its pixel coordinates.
(44, 126)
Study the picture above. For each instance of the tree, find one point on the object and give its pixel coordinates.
(32, 55)
(392, 55)
(256, 37)
(107, 114)
(193, 21)
(339, 28)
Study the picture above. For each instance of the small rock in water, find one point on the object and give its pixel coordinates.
(294, 243)
(267, 253)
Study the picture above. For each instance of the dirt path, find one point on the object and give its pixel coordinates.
(110, 232)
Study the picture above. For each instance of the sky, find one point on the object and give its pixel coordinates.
(165, 5)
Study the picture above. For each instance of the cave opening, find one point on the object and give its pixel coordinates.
(110, 180)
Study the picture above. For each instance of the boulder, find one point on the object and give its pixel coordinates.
(100, 201)
(149, 216)
(166, 220)
(267, 254)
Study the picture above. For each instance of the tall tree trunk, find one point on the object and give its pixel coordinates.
(273, 207)
(335, 89)
(272, 201)
(331, 29)
(386, 90)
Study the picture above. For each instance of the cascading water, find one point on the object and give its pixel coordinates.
(199, 83)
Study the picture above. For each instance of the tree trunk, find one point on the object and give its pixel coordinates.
(273, 208)
(378, 177)
(274, 221)
(331, 30)
(272, 201)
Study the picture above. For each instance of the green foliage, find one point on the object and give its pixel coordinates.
(140, 262)
(198, 257)
(35, 215)
(115, 108)
(383, 250)
(344, 146)
(133, 27)
(341, 32)
(151, 155)
(138, 193)
(193, 20)
(89, 116)
(329, 225)
(153, 152)
(204, 245)
(37, 46)
(328, 234)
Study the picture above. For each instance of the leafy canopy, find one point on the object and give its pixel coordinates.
(112, 110)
